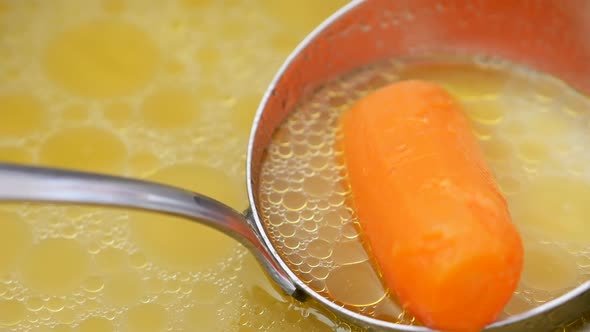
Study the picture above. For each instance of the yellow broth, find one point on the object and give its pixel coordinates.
(163, 91)
(160, 90)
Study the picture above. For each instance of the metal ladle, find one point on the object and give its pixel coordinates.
(550, 36)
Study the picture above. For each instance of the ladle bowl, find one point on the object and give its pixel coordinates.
(548, 36)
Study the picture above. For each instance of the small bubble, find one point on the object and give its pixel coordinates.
(275, 198)
(35, 304)
(326, 150)
(319, 249)
(308, 213)
(110, 314)
(305, 268)
(108, 239)
(297, 128)
(312, 261)
(336, 200)
(55, 304)
(346, 215)
(318, 163)
(274, 220)
(285, 152)
(349, 252)
(280, 185)
(583, 261)
(94, 247)
(287, 230)
(300, 151)
(316, 141)
(292, 217)
(349, 231)
(332, 219)
(44, 315)
(173, 286)
(481, 131)
(323, 205)
(320, 272)
(295, 259)
(310, 226)
(93, 284)
(291, 243)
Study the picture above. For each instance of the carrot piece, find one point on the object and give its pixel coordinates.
(429, 208)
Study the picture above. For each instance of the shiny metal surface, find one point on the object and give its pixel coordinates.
(550, 36)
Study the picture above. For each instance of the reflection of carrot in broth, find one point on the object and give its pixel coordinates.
(429, 208)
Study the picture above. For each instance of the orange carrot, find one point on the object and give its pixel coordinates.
(429, 208)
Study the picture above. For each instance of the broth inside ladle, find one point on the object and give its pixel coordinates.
(533, 130)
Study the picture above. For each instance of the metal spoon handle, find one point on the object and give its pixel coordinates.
(42, 184)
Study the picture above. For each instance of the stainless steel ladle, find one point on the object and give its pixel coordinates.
(550, 36)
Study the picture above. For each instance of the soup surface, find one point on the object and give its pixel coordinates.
(162, 90)
(166, 91)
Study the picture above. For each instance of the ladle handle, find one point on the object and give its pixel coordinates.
(42, 184)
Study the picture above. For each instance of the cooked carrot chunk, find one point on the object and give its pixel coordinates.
(429, 208)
